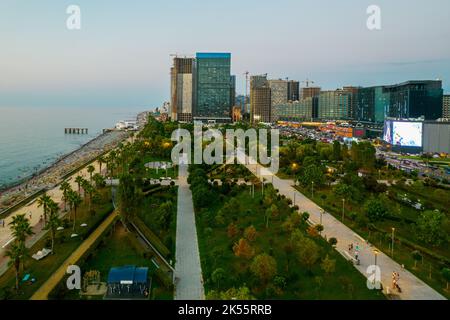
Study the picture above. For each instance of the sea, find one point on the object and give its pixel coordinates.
(33, 138)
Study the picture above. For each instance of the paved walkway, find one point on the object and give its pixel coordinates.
(412, 287)
(188, 270)
(43, 292)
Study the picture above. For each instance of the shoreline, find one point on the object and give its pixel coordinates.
(24, 190)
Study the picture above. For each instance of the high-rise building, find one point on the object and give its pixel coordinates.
(446, 106)
(279, 91)
(353, 99)
(293, 90)
(260, 99)
(371, 104)
(294, 110)
(308, 92)
(181, 89)
(414, 99)
(236, 114)
(334, 105)
(212, 87)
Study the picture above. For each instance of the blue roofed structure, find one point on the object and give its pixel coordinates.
(128, 282)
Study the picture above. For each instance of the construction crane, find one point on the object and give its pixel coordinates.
(246, 73)
(307, 82)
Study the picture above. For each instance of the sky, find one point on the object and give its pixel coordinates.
(121, 55)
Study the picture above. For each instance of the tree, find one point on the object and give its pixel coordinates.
(307, 252)
(101, 160)
(431, 227)
(250, 233)
(232, 230)
(90, 170)
(319, 228)
(416, 256)
(375, 210)
(271, 212)
(243, 249)
(165, 215)
(446, 274)
(305, 216)
(79, 180)
(242, 293)
(328, 265)
(65, 188)
(217, 276)
(336, 150)
(99, 180)
(75, 201)
(43, 202)
(53, 222)
(264, 267)
(311, 173)
(332, 241)
(128, 197)
(16, 253)
(21, 228)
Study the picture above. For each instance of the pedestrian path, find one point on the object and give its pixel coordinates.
(188, 270)
(412, 287)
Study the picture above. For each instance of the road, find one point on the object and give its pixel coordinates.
(188, 270)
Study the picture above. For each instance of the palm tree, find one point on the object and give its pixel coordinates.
(21, 227)
(53, 222)
(65, 187)
(79, 180)
(88, 189)
(75, 201)
(15, 254)
(43, 202)
(90, 170)
(101, 160)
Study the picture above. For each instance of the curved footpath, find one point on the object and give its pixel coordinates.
(412, 287)
(43, 292)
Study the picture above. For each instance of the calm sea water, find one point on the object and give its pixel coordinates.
(33, 138)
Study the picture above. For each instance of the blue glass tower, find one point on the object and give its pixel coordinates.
(212, 87)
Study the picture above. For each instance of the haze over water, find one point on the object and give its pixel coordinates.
(33, 138)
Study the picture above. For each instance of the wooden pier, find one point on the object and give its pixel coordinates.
(76, 130)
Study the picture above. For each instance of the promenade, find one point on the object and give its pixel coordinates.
(412, 287)
(188, 270)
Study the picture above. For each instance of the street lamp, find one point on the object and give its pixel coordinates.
(294, 198)
(343, 209)
(321, 214)
(312, 189)
(392, 246)
(376, 252)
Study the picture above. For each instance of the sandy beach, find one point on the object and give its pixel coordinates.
(52, 175)
(50, 180)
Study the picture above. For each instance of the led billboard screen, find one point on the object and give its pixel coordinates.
(387, 134)
(406, 134)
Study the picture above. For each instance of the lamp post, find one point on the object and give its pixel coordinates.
(294, 198)
(343, 209)
(376, 252)
(312, 189)
(392, 246)
(321, 214)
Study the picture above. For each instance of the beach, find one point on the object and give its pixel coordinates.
(51, 176)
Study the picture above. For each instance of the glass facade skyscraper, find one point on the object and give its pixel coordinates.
(212, 86)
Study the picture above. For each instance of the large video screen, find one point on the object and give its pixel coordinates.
(407, 134)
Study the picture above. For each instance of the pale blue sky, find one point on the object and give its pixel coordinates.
(120, 57)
